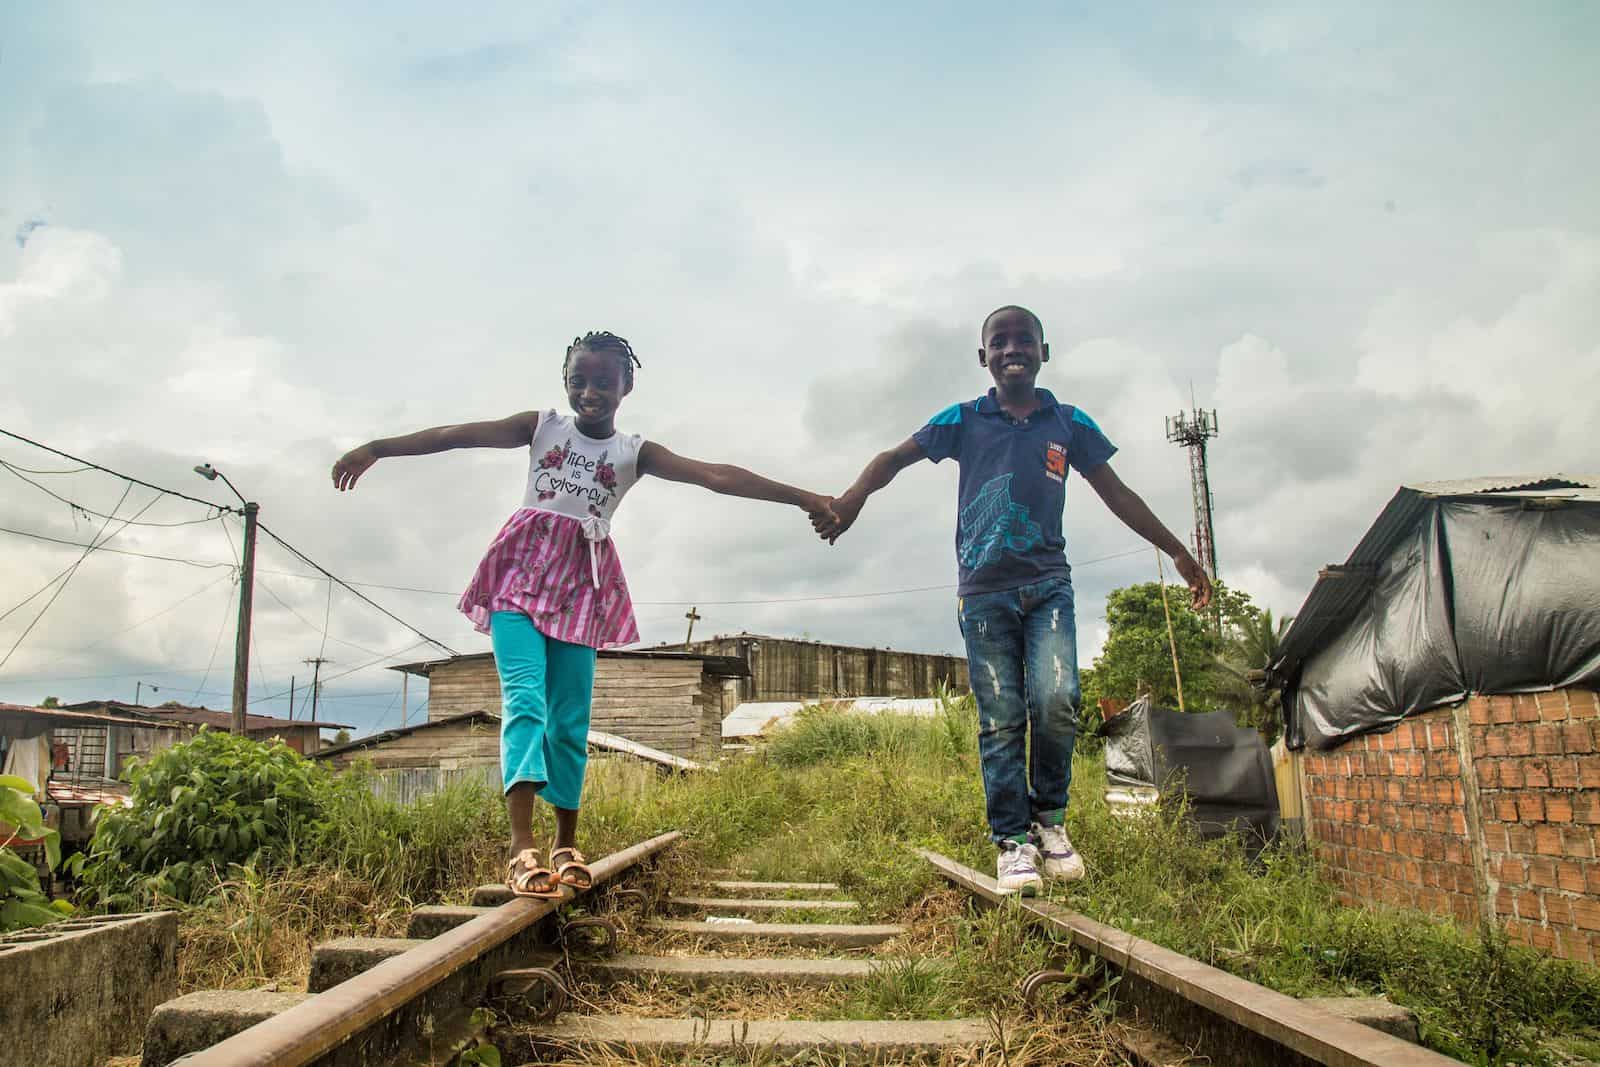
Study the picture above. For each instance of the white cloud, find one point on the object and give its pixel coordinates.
(271, 238)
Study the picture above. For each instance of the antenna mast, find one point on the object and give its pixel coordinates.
(1191, 430)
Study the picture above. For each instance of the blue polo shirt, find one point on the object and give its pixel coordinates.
(1013, 486)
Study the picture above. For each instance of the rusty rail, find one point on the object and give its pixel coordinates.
(1303, 1032)
(310, 1029)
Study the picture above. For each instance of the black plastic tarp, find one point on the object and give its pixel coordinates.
(1483, 595)
(1222, 768)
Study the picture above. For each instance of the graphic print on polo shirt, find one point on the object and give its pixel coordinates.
(993, 524)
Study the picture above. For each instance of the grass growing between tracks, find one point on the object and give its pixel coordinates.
(843, 799)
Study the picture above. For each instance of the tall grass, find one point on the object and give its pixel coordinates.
(844, 798)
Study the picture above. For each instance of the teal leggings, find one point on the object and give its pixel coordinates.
(545, 689)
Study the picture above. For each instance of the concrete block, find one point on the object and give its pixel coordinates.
(701, 972)
(775, 888)
(431, 920)
(1375, 1012)
(754, 906)
(857, 1040)
(333, 962)
(199, 1020)
(491, 896)
(80, 991)
(813, 934)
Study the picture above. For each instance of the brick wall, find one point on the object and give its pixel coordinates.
(1388, 816)
(1394, 819)
(1538, 778)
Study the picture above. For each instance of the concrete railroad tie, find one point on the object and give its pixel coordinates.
(752, 906)
(782, 1037)
(814, 934)
(775, 888)
(491, 896)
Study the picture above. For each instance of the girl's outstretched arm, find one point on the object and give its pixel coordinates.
(726, 479)
(512, 432)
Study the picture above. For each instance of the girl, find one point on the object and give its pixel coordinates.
(550, 590)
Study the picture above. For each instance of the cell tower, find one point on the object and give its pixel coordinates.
(1192, 430)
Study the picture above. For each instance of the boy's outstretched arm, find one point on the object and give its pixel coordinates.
(1128, 506)
(511, 432)
(662, 462)
(877, 474)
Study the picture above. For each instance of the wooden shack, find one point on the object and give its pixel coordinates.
(785, 668)
(302, 735)
(671, 701)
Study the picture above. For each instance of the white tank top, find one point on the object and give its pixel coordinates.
(575, 475)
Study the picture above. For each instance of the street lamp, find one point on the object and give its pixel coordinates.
(247, 583)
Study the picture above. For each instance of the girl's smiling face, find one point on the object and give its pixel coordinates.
(595, 388)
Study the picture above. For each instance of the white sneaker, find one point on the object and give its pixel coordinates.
(1017, 869)
(1061, 860)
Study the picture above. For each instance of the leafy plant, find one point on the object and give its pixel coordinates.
(199, 807)
(22, 903)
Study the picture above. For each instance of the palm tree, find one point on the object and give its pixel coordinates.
(1248, 647)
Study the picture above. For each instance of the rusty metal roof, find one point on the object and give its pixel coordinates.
(221, 720)
(75, 716)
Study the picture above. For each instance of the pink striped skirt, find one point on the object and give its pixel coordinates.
(540, 564)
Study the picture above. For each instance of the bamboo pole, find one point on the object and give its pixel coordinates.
(1172, 641)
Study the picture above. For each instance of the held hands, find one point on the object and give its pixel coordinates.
(831, 524)
(1195, 576)
(819, 508)
(352, 465)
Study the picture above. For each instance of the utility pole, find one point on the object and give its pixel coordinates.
(1191, 430)
(693, 616)
(291, 698)
(316, 663)
(247, 585)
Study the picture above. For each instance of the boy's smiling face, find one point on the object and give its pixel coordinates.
(1013, 349)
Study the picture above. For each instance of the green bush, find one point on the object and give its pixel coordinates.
(21, 901)
(198, 808)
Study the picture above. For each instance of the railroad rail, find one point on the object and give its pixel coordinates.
(328, 1022)
(1195, 1008)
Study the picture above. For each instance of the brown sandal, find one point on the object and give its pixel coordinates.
(573, 870)
(526, 877)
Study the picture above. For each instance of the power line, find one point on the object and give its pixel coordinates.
(30, 470)
(285, 606)
(353, 670)
(73, 504)
(108, 470)
(354, 592)
(68, 575)
(227, 609)
(127, 552)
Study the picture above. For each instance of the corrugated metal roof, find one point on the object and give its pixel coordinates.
(1340, 590)
(402, 731)
(597, 738)
(716, 666)
(222, 720)
(1559, 486)
(74, 716)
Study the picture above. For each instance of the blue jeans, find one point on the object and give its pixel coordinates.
(1022, 653)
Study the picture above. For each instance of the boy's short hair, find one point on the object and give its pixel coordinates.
(983, 332)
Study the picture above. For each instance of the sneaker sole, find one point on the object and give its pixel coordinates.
(1026, 889)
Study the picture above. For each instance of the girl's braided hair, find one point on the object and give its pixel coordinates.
(599, 341)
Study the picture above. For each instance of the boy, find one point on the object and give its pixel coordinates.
(1014, 446)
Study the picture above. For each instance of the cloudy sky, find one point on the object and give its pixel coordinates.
(1369, 237)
